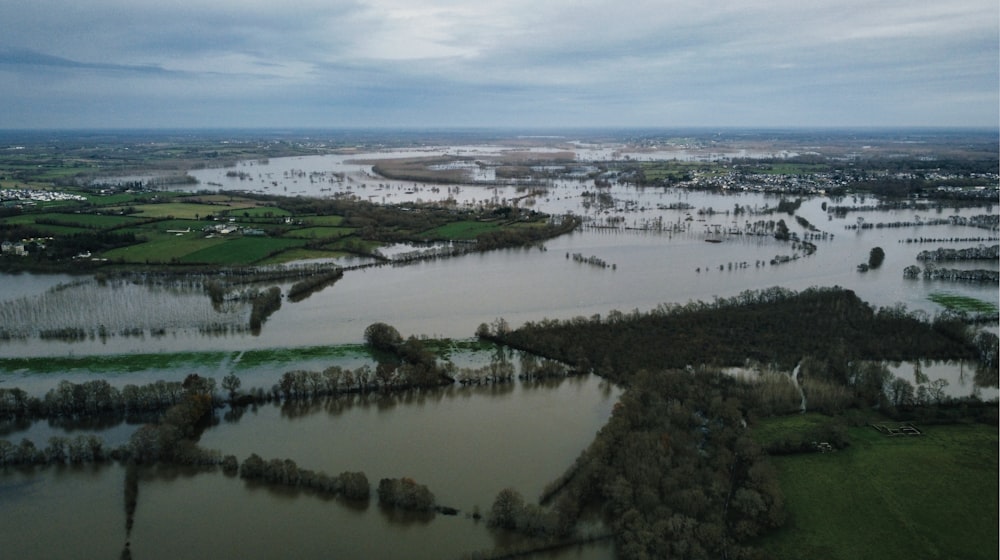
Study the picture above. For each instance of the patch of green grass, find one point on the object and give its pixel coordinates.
(241, 250)
(182, 210)
(164, 225)
(72, 220)
(791, 168)
(319, 232)
(92, 221)
(459, 230)
(785, 428)
(122, 199)
(284, 356)
(930, 496)
(332, 221)
(956, 302)
(162, 247)
(56, 231)
(266, 212)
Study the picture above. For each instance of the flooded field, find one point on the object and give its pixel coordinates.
(639, 248)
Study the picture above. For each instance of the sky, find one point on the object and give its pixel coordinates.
(498, 63)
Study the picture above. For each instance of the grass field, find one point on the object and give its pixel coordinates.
(149, 217)
(266, 212)
(240, 250)
(331, 221)
(53, 230)
(956, 302)
(109, 364)
(930, 496)
(459, 230)
(110, 200)
(87, 221)
(319, 232)
(162, 247)
(181, 210)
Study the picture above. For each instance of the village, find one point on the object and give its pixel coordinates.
(12, 198)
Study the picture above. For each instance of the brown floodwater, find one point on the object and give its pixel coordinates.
(465, 444)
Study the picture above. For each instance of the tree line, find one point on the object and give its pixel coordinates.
(771, 326)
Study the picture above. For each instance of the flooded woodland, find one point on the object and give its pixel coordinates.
(639, 247)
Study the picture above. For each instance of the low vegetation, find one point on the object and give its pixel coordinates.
(927, 496)
(174, 230)
(956, 302)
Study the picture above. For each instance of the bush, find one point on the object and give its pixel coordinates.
(875, 257)
(404, 493)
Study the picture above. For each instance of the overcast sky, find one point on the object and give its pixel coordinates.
(519, 63)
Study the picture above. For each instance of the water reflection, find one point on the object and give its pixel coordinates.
(956, 379)
(465, 443)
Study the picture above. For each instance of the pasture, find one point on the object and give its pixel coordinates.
(927, 496)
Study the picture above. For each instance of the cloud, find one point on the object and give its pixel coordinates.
(449, 62)
(22, 57)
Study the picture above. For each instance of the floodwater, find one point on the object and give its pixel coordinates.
(465, 444)
(451, 297)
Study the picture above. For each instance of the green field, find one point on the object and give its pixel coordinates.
(332, 221)
(956, 302)
(930, 496)
(460, 230)
(55, 231)
(122, 198)
(87, 221)
(170, 228)
(240, 250)
(162, 247)
(792, 168)
(319, 232)
(265, 212)
(183, 210)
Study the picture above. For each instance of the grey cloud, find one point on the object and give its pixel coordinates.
(24, 57)
(441, 62)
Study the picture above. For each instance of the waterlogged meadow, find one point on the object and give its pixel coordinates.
(458, 440)
(91, 308)
(639, 247)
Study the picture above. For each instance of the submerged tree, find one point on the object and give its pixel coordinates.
(875, 257)
(382, 336)
(405, 493)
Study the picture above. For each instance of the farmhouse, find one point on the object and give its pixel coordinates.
(13, 248)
